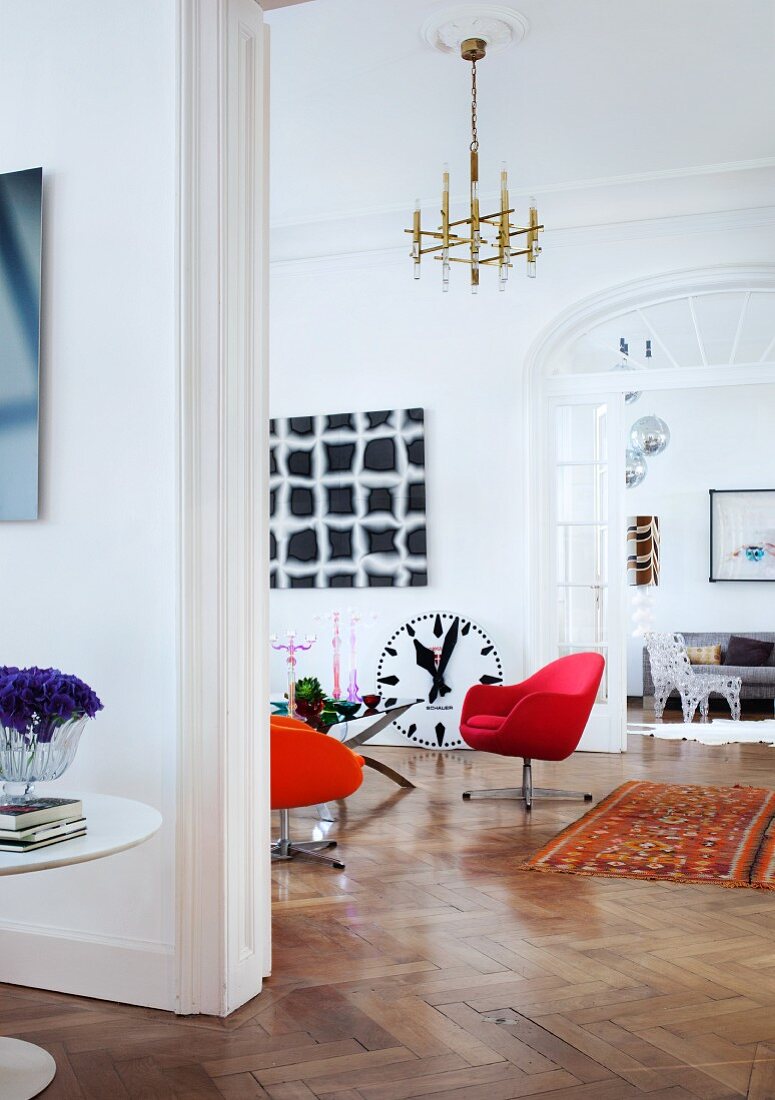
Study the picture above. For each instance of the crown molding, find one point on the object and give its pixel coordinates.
(727, 221)
(537, 189)
(674, 225)
(273, 5)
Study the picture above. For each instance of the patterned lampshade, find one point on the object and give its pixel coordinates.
(643, 550)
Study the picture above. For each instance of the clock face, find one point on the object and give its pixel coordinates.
(436, 657)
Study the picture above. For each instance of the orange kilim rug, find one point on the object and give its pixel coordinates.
(719, 835)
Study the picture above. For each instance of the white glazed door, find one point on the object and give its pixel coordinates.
(585, 548)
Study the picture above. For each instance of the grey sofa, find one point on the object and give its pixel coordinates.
(758, 681)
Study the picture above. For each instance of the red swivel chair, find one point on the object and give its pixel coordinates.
(542, 718)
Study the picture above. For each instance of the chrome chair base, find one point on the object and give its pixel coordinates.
(285, 849)
(527, 792)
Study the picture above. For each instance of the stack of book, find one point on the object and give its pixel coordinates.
(30, 825)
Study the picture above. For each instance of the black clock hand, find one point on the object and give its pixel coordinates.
(440, 687)
(426, 660)
(449, 646)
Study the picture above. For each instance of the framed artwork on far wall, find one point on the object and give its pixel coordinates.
(742, 534)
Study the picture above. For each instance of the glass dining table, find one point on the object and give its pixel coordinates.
(356, 723)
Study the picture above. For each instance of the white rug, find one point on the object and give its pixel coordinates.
(719, 731)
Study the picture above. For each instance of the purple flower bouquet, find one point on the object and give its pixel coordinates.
(42, 714)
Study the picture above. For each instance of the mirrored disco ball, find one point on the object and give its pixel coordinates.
(650, 435)
(635, 467)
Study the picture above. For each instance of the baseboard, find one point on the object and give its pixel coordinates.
(133, 972)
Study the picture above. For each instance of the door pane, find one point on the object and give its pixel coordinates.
(585, 567)
(582, 493)
(581, 616)
(581, 433)
(582, 555)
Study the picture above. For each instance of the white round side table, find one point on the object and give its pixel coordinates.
(113, 825)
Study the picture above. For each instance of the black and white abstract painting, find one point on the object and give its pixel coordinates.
(347, 500)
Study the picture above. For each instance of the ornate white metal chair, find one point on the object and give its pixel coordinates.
(671, 669)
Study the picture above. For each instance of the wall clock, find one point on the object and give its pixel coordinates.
(436, 657)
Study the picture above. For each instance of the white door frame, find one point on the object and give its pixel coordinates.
(540, 385)
(222, 866)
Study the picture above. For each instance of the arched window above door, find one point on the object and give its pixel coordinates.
(719, 319)
(706, 329)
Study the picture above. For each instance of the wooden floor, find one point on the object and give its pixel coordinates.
(434, 967)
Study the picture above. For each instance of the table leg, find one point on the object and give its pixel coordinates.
(25, 1070)
(378, 766)
(378, 724)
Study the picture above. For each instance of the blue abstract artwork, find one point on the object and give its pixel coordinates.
(20, 258)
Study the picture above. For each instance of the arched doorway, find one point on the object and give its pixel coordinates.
(713, 327)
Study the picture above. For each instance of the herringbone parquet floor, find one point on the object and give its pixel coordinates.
(434, 967)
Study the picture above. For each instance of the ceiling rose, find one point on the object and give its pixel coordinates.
(498, 26)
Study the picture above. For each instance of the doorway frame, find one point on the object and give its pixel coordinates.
(540, 386)
(222, 864)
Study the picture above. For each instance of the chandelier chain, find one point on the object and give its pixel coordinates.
(474, 131)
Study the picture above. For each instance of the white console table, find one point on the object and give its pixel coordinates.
(113, 825)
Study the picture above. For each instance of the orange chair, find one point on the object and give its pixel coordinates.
(308, 768)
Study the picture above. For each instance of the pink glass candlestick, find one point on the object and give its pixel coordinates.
(353, 690)
(291, 647)
(336, 645)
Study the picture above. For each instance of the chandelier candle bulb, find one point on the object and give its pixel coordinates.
(445, 207)
(445, 229)
(532, 241)
(503, 236)
(475, 222)
(416, 237)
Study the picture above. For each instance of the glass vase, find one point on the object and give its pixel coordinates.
(39, 754)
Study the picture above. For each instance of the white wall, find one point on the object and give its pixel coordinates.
(355, 332)
(720, 439)
(87, 91)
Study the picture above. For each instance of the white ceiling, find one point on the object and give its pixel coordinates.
(364, 113)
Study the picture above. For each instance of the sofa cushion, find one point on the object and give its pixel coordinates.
(704, 654)
(749, 674)
(708, 637)
(747, 652)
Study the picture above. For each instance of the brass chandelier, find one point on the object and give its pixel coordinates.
(466, 234)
